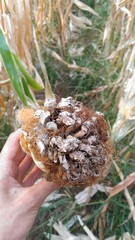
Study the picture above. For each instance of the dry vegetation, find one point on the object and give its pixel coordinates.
(63, 40)
(120, 49)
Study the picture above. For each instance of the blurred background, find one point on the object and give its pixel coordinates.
(84, 49)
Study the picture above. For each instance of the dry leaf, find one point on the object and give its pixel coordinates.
(126, 192)
(70, 66)
(85, 195)
(84, 7)
(86, 229)
(2, 105)
(52, 197)
(122, 185)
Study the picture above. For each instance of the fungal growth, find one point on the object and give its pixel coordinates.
(67, 141)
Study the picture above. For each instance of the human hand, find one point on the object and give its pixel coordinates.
(19, 198)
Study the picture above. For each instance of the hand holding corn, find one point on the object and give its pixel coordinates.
(19, 198)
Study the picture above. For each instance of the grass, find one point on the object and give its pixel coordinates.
(117, 222)
(118, 212)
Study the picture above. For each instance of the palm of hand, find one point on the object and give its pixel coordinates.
(20, 199)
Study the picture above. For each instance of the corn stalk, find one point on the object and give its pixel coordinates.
(119, 43)
(15, 49)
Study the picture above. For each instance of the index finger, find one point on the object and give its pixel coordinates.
(11, 146)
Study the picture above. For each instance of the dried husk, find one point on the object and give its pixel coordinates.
(67, 141)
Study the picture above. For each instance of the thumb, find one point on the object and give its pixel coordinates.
(42, 190)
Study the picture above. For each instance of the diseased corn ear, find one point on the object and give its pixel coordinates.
(67, 141)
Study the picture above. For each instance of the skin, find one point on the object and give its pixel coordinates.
(20, 199)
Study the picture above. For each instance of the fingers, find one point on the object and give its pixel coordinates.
(24, 167)
(19, 156)
(11, 146)
(42, 190)
(32, 177)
